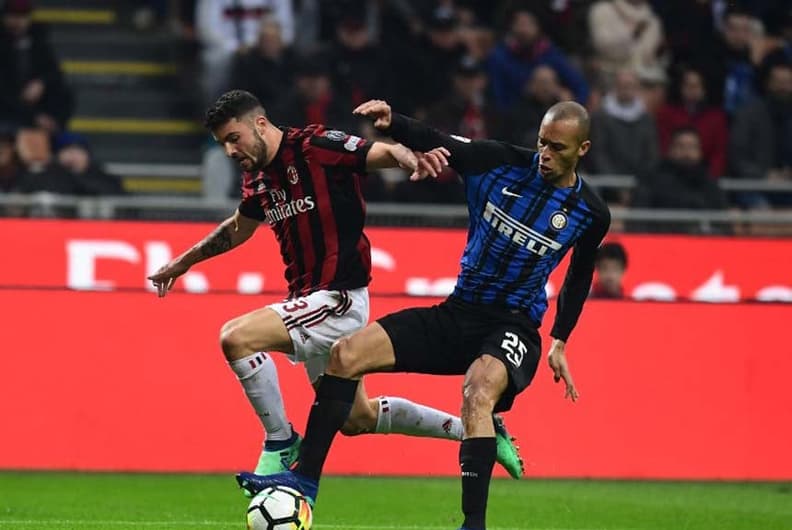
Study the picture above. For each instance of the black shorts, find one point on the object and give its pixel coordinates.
(446, 338)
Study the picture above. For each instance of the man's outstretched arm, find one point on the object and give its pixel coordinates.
(230, 233)
(465, 156)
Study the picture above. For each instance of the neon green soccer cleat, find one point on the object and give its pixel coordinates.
(508, 453)
(277, 460)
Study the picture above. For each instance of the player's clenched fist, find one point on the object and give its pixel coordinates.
(378, 110)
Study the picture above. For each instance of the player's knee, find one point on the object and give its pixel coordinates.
(343, 360)
(231, 340)
(480, 395)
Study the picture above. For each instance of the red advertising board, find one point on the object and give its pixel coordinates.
(113, 255)
(121, 380)
(126, 381)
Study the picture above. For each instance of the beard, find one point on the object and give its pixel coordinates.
(258, 158)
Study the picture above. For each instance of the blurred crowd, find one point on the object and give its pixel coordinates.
(37, 152)
(681, 92)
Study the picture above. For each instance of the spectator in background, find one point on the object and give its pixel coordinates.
(9, 163)
(689, 26)
(623, 134)
(761, 145)
(778, 44)
(265, 69)
(465, 111)
(680, 180)
(563, 20)
(359, 66)
(727, 65)
(524, 47)
(542, 91)
(41, 172)
(224, 27)
(32, 89)
(312, 99)
(654, 90)
(74, 154)
(430, 64)
(609, 267)
(689, 106)
(626, 34)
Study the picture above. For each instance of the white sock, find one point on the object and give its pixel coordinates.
(259, 378)
(401, 416)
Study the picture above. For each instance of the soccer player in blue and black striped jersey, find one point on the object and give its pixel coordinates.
(527, 209)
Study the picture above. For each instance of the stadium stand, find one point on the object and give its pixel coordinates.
(134, 70)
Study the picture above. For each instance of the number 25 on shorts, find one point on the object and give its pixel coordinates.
(510, 342)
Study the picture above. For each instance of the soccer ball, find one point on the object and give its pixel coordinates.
(279, 508)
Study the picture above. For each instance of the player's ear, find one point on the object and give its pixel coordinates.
(260, 122)
(584, 148)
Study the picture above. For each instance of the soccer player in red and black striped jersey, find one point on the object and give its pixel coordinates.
(306, 184)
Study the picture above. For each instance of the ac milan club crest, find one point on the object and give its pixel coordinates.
(291, 173)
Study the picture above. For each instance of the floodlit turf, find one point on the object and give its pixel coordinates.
(132, 501)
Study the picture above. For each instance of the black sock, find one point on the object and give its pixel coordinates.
(334, 398)
(476, 458)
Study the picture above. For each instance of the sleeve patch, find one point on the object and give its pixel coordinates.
(352, 143)
(335, 135)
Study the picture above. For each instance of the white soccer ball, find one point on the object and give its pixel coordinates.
(279, 508)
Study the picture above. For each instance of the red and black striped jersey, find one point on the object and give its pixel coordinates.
(310, 194)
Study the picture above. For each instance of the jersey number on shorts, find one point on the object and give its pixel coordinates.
(510, 342)
(295, 306)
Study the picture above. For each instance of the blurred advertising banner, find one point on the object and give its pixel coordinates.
(126, 381)
(96, 255)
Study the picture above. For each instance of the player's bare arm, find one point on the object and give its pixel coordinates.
(423, 165)
(558, 363)
(230, 233)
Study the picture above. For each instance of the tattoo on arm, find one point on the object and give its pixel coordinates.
(216, 243)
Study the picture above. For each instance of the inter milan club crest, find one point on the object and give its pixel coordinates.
(558, 220)
(291, 173)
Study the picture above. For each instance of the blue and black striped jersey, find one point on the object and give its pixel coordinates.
(520, 226)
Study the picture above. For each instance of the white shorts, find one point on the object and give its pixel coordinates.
(316, 321)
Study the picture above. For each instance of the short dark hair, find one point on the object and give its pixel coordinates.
(612, 251)
(233, 104)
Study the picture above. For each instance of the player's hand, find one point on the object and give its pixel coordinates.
(378, 110)
(430, 164)
(166, 276)
(558, 363)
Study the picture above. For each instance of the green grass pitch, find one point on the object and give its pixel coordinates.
(47, 501)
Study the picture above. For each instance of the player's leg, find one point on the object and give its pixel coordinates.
(335, 394)
(505, 367)
(485, 382)
(368, 350)
(417, 334)
(246, 341)
(396, 415)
